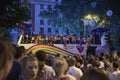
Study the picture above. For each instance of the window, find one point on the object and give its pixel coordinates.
(56, 31)
(56, 0)
(49, 30)
(41, 22)
(41, 30)
(48, 22)
(41, 6)
(49, 7)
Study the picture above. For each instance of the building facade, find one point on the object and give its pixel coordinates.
(40, 25)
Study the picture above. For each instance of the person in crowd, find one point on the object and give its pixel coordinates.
(41, 73)
(96, 64)
(96, 38)
(61, 68)
(79, 63)
(116, 71)
(42, 57)
(6, 58)
(85, 65)
(101, 59)
(95, 74)
(88, 50)
(73, 70)
(15, 72)
(107, 66)
(30, 67)
(32, 39)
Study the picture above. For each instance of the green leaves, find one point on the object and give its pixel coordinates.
(12, 12)
(74, 10)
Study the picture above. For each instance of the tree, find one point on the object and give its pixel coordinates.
(11, 13)
(72, 12)
(114, 21)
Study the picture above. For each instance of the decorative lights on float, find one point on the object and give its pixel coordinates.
(90, 20)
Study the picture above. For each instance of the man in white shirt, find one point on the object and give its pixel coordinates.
(73, 70)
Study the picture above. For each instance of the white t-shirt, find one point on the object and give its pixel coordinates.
(76, 72)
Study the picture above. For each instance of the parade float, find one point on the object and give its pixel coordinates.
(68, 49)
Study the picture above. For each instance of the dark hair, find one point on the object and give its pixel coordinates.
(72, 61)
(116, 64)
(41, 55)
(96, 63)
(20, 51)
(80, 61)
(6, 52)
(95, 74)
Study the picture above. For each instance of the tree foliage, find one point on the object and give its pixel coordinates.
(12, 12)
(68, 14)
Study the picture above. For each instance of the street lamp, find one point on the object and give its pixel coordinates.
(109, 13)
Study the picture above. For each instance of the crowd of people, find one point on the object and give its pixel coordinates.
(15, 64)
(59, 39)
